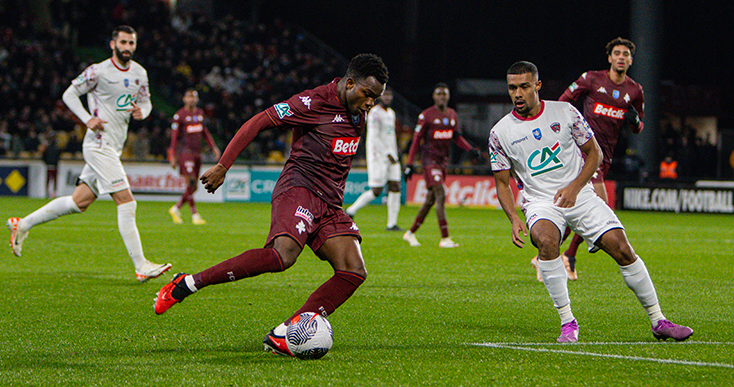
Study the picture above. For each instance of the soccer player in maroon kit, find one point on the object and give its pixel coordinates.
(327, 123)
(436, 128)
(188, 126)
(612, 101)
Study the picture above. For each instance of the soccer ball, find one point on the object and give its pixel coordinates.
(309, 336)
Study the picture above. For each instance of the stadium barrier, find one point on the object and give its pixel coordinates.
(23, 178)
(697, 198)
(159, 182)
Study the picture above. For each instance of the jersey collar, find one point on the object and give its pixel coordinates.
(542, 108)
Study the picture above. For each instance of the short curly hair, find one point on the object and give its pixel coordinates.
(620, 42)
(363, 66)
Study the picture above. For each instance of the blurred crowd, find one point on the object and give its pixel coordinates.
(238, 67)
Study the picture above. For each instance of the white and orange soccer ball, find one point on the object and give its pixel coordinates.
(309, 336)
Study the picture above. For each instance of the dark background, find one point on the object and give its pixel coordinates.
(481, 39)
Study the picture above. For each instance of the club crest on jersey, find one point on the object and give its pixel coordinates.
(283, 110)
(556, 127)
(127, 82)
(615, 94)
(445, 121)
(345, 146)
(305, 214)
(355, 120)
(537, 134)
(545, 160)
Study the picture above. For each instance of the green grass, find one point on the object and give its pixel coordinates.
(72, 313)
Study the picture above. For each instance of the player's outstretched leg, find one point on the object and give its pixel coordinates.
(534, 263)
(248, 264)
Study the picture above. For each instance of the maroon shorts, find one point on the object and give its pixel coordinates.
(303, 216)
(189, 165)
(434, 174)
(601, 173)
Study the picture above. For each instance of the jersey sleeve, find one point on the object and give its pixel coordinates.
(580, 129)
(639, 102)
(142, 99)
(576, 90)
(295, 111)
(497, 157)
(87, 80)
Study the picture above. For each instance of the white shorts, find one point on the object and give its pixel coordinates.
(103, 171)
(590, 217)
(379, 172)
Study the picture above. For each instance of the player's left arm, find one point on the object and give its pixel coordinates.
(141, 105)
(566, 196)
(210, 141)
(635, 113)
(464, 144)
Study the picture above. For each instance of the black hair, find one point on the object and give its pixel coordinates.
(440, 84)
(523, 67)
(125, 29)
(363, 66)
(620, 42)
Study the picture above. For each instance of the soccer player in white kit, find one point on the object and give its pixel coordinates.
(383, 166)
(540, 143)
(116, 89)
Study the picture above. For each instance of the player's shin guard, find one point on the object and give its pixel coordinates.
(638, 280)
(52, 210)
(248, 264)
(555, 280)
(331, 294)
(393, 208)
(129, 231)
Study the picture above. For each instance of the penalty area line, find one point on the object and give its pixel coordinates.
(605, 355)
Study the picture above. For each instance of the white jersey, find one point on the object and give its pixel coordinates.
(110, 92)
(543, 151)
(381, 140)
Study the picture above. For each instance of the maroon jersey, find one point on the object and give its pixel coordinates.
(435, 129)
(325, 139)
(188, 131)
(605, 103)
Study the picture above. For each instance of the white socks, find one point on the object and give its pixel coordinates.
(190, 283)
(393, 208)
(52, 210)
(129, 232)
(638, 280)
(555, 280)
(364, 199)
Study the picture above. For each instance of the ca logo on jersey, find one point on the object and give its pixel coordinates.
(123, 103)
(545, 160)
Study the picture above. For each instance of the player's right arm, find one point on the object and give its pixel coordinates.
(507, 201)
(81, 85)
(214, 177)
(502, 167)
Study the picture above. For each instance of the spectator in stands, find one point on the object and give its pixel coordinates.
(668, 168)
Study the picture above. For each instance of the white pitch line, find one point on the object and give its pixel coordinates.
(690, 342)
(638, 358)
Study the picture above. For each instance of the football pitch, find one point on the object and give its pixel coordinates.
(72, 313)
